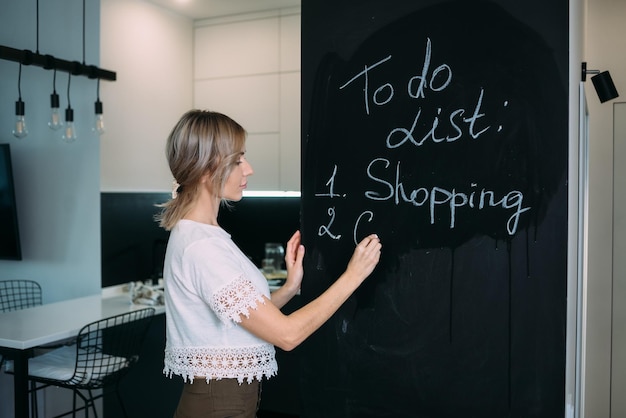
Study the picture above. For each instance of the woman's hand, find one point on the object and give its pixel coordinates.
(365, 257)
(293, 260)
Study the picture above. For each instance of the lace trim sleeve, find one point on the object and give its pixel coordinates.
(235, 299)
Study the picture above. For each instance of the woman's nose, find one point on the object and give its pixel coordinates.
(248, 170)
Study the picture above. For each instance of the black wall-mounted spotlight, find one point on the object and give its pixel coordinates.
(602, 82)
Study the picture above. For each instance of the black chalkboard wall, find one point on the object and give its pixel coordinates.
(441, 126)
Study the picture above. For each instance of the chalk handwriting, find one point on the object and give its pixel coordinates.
(424, 81)
(365, 73)
(331, 186)
(445, 126)
(325, 230)
(358, 223)
(436, 197)
(456, 121)
(440, 78)
(506, 103)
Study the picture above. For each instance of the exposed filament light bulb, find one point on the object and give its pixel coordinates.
(69, 134)
(20, 130)
(99, 122)
(55, 122)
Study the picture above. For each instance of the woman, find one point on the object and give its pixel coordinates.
(222, 323)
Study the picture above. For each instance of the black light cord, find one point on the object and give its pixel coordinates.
(19, 82)
(69, 79)
(38, 26)
(83, 31)
(54, 81)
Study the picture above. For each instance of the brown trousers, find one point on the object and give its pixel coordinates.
(224, 398)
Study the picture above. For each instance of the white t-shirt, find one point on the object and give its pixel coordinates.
(209, 282)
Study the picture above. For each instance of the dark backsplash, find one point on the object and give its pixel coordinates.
(133, 245)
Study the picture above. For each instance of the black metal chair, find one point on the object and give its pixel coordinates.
(104, 352)
(19, 294)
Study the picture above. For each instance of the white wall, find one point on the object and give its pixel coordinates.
(605, 42)
(151, 49)
(248, 67)
(618, 338)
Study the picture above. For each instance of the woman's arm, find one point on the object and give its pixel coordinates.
(288, 331)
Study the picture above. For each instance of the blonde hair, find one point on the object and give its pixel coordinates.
(202, 142)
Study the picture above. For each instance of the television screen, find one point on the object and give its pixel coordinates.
(10, 248)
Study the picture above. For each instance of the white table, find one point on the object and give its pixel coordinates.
(22, 330)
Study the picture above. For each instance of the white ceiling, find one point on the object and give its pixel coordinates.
(203, 9)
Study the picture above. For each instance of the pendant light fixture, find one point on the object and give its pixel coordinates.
(55, 122)
(49, 62)
(20, 130)
(99, 121)
(69, 134)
